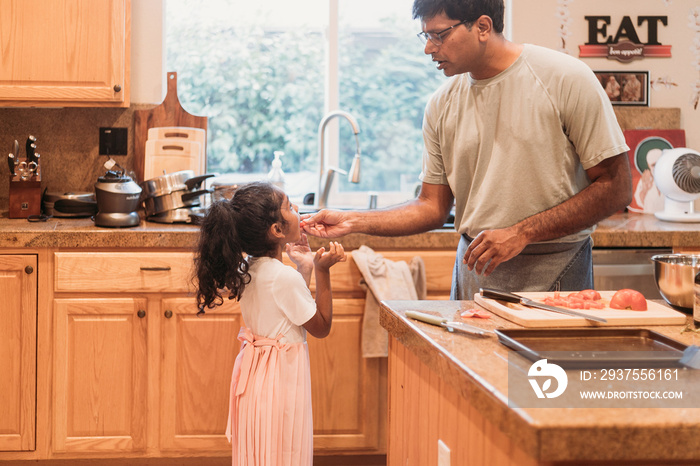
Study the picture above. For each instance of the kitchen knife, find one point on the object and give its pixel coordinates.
(450, 326)
(30, 148)
(11, 164)
(514, 298)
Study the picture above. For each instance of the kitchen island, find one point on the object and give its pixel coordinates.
(453, 388)
(133, 286)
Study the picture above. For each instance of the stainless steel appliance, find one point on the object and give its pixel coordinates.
(618, 268)
(70, 205)
(174, 197)
(117, 200)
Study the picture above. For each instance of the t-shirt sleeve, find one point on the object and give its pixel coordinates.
(293, 296)
(589, 118)
(433, 169)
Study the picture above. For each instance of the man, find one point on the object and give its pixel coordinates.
(523, 140)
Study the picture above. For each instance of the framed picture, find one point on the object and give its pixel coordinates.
(625, 87)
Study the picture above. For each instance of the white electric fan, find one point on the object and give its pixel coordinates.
(677, 175)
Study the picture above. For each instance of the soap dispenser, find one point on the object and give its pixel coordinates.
(276, 175)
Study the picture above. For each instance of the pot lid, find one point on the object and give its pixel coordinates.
(166, 184)
(114, 177)
(60, 196)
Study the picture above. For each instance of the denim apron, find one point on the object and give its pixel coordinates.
(539, 267)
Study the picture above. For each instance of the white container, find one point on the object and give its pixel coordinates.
(276, 175)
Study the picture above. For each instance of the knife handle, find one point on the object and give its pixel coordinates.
(427, 318)
(31, 149)
(502, 295)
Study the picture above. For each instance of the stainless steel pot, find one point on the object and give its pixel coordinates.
(166, 184)
(172, 191)
(172, 201)
(191, 215)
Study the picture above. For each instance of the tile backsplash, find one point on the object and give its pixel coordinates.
(68, 140)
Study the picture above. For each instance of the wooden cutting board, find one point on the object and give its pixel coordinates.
(165, 156)
(169, 113)
(656, 313)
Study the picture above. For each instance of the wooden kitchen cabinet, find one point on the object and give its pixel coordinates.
(197, 357)
(349, 391)
(18, 288)
(106, 308)
(166, 391)
(100, 375)
(65, 53)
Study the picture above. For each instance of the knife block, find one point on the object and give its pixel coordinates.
(25, 197)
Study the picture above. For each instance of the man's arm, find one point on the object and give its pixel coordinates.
(610, 191)
(428, 211)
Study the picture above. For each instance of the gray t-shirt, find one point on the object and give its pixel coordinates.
(518, 143)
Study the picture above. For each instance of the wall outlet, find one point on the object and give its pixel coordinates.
(113, 141)
(443, 454)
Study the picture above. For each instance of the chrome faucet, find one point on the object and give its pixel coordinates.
(325, 179)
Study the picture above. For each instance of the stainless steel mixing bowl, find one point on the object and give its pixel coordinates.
(675, 277)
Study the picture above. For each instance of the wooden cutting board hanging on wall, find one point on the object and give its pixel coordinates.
(168, 113)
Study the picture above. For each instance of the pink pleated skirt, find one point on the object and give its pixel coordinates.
(270, 421)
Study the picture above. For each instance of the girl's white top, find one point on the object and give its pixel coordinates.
(276, 301)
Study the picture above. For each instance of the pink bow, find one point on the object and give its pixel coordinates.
(249, 342)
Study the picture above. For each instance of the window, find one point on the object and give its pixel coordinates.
(265, 73)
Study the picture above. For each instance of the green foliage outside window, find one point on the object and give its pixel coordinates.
(263, 90)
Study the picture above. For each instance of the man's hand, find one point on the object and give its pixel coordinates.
(493, 247)
(326, 224)
(610, 190)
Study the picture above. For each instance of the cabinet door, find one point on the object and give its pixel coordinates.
(18, 288)
(65, 52)
(345, 386)
(197, 360)
(100, 375)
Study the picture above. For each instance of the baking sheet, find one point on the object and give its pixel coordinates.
(595, 347)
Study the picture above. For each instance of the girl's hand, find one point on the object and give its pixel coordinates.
(300, 253)
(325, 260)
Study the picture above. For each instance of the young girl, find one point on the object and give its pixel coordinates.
(240, 255)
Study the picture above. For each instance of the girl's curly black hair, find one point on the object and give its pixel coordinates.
(231, 230)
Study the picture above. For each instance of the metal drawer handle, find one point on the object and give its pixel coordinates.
(141, 313)
(168, 314)
(156, 269)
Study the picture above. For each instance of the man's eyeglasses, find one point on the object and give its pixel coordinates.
(437, 37)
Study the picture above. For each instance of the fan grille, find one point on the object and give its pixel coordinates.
(686, 173)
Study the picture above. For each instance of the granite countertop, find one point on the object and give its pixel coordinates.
(477, 367)
(620, 230)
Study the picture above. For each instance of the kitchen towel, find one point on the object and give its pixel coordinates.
(385, 279)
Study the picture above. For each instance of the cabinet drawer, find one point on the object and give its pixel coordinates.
(128, 271)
